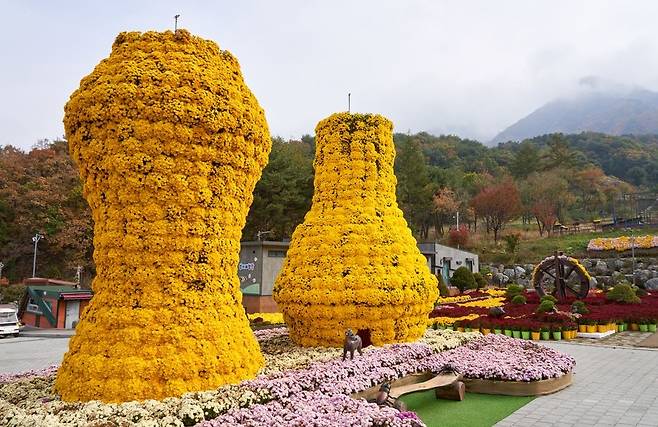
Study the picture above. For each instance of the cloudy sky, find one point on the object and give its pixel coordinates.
(465, 67)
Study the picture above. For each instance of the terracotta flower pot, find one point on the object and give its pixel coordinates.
(634, 327)
(486, 331)
(535, 336)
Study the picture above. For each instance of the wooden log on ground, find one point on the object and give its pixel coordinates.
(454, 391)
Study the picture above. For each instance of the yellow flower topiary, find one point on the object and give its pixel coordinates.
(169, 142)
(353, 262)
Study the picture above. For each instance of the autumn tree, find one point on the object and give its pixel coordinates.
(446, 206)
(497, 204)
(40, 191)
(547, 196)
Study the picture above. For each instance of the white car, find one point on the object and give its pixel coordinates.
(9, 322)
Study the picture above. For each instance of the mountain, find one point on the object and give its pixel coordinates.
(634, 112)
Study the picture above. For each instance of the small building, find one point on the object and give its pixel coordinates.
(261, 261)
(53, 306)
(444, 260)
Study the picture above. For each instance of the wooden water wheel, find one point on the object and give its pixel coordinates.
(560, 275)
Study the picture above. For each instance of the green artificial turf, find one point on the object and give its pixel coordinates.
(476, 410)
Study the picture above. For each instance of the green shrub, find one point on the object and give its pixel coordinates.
(480, 280)
(484, 270)
(546, 306)
(579, 307)
(518, 299)
(463, 279)
(514, 290)
(550, 298)
(443, 288)
(623, 293)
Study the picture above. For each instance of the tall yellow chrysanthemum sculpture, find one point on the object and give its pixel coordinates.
(169, 142)
(353, 262)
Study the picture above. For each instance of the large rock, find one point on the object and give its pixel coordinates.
(605, 280)
(601, 268)
(500, 279)
(509, 272)
(520, 271)
(641, 276)
(529, 268)
(651, 284)
(587, 263)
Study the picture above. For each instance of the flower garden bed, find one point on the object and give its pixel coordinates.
(297, 385)
(622, 244)
(470, 312)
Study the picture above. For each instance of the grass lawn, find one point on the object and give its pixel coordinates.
(476, 410)
(535, 249)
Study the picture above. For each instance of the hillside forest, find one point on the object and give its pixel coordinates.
(540, 182)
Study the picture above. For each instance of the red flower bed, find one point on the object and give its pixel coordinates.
(524, 316)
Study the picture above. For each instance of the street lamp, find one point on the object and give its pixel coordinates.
(630, 230)
(35, 239)
(260, 234)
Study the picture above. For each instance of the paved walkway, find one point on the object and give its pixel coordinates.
(612, 387)
(619, 339)
(25, 353)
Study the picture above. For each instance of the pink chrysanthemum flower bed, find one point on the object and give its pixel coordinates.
(299, 385)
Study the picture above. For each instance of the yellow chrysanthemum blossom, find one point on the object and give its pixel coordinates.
(449, 321)
(273, 318)
(452, 300)
(484, 303)
(169, 142)
(353, 262)
(495, 292)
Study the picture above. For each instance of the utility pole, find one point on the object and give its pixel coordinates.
(78, 275)
(349, 102)
(35, 239)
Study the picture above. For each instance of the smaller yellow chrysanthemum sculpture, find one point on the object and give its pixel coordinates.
(353, 262)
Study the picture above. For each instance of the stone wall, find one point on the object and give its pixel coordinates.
(606, 271)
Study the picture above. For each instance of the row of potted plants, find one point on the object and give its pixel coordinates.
(620, 325)
(533, 332)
